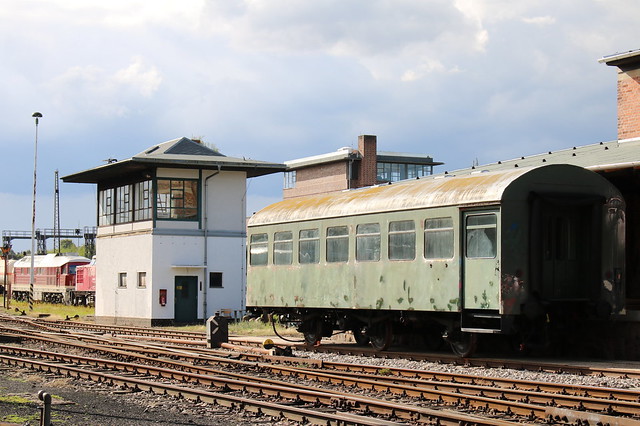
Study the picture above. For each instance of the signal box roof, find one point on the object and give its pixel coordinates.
(176, 153)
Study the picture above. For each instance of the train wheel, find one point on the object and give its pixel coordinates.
(463, 344)
(360, 337)
(381, 337)
(313, 336)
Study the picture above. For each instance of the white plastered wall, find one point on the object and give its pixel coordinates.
(170, 253)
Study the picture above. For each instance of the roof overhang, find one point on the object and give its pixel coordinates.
(141, 166)
(621, 59)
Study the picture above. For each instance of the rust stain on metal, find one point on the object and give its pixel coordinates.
(422, 193)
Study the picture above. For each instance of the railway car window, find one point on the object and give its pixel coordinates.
(402, 240)
(438, 238)
(337, 244)
(177, 199)
(309, 246)
(124, 212)
(283, 248)
(122, 280)
(481, 236)
(142, 206)
(105, 207)
(368, 242)
(258, 249)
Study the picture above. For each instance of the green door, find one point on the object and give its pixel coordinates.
(186, 299)
(481, 273)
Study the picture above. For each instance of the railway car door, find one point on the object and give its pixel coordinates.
(568, 257)
(186, 298)
(481, 268)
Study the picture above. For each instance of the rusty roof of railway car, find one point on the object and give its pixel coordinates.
(472, 188)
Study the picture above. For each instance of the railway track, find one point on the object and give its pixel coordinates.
(190, 338)
(400, 394)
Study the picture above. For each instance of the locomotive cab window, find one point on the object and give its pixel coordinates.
(282, 248)
(258, 249)
(309, 246)
(402, 240)
(481, 236)
(438, 238)
(368, 242)
(337, 244)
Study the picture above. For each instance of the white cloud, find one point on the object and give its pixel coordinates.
(540, 20)
(104, 92)
(146, 81)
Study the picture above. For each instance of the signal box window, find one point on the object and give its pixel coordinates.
(143, 207)
(283, 248)
(122, 280)
(215, 279)
(402, 240)
(258, 250)
(337, 244)
(438, 238)
(177, 199)
(368, 242)
(481, 236)
(106, 207)
(309, 246)
(142, 279)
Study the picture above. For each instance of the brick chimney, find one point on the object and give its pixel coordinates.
(368, 147)
(628, 92)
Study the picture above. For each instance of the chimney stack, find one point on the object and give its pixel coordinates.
(628, 92)
(368, 147)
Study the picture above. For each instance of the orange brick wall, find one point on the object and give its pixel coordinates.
(628, 104)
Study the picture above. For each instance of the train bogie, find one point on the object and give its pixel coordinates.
(496, 252)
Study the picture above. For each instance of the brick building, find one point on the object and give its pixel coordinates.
(628, 64)
(350, 168)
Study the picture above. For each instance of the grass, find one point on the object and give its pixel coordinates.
(50, 310)
(60, 312)
(259, 328)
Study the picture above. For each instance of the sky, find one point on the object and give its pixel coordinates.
(465, 81)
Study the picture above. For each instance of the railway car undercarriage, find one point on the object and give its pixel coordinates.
(576, 327)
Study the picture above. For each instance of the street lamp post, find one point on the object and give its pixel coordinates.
(37, 116)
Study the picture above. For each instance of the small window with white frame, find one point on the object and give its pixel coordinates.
(122, 280)
(142, 279)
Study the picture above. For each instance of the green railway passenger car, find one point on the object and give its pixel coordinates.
(448, 256)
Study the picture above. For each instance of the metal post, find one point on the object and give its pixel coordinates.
(37, 116)
(6, 249)
(45, 418)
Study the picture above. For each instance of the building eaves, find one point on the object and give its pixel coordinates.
(342, 154)
(621, 59)
(177, 153)
(406, 158)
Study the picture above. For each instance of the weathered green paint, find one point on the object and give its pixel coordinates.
(501, 284)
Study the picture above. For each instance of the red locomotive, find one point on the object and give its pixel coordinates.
(54, 277)
(85, 291)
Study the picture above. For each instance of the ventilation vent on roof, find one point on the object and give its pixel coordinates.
(152, 149)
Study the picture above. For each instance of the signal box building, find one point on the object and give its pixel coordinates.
(350, 168)
(171, 233)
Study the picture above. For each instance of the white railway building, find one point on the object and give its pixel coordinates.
(171, 233)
